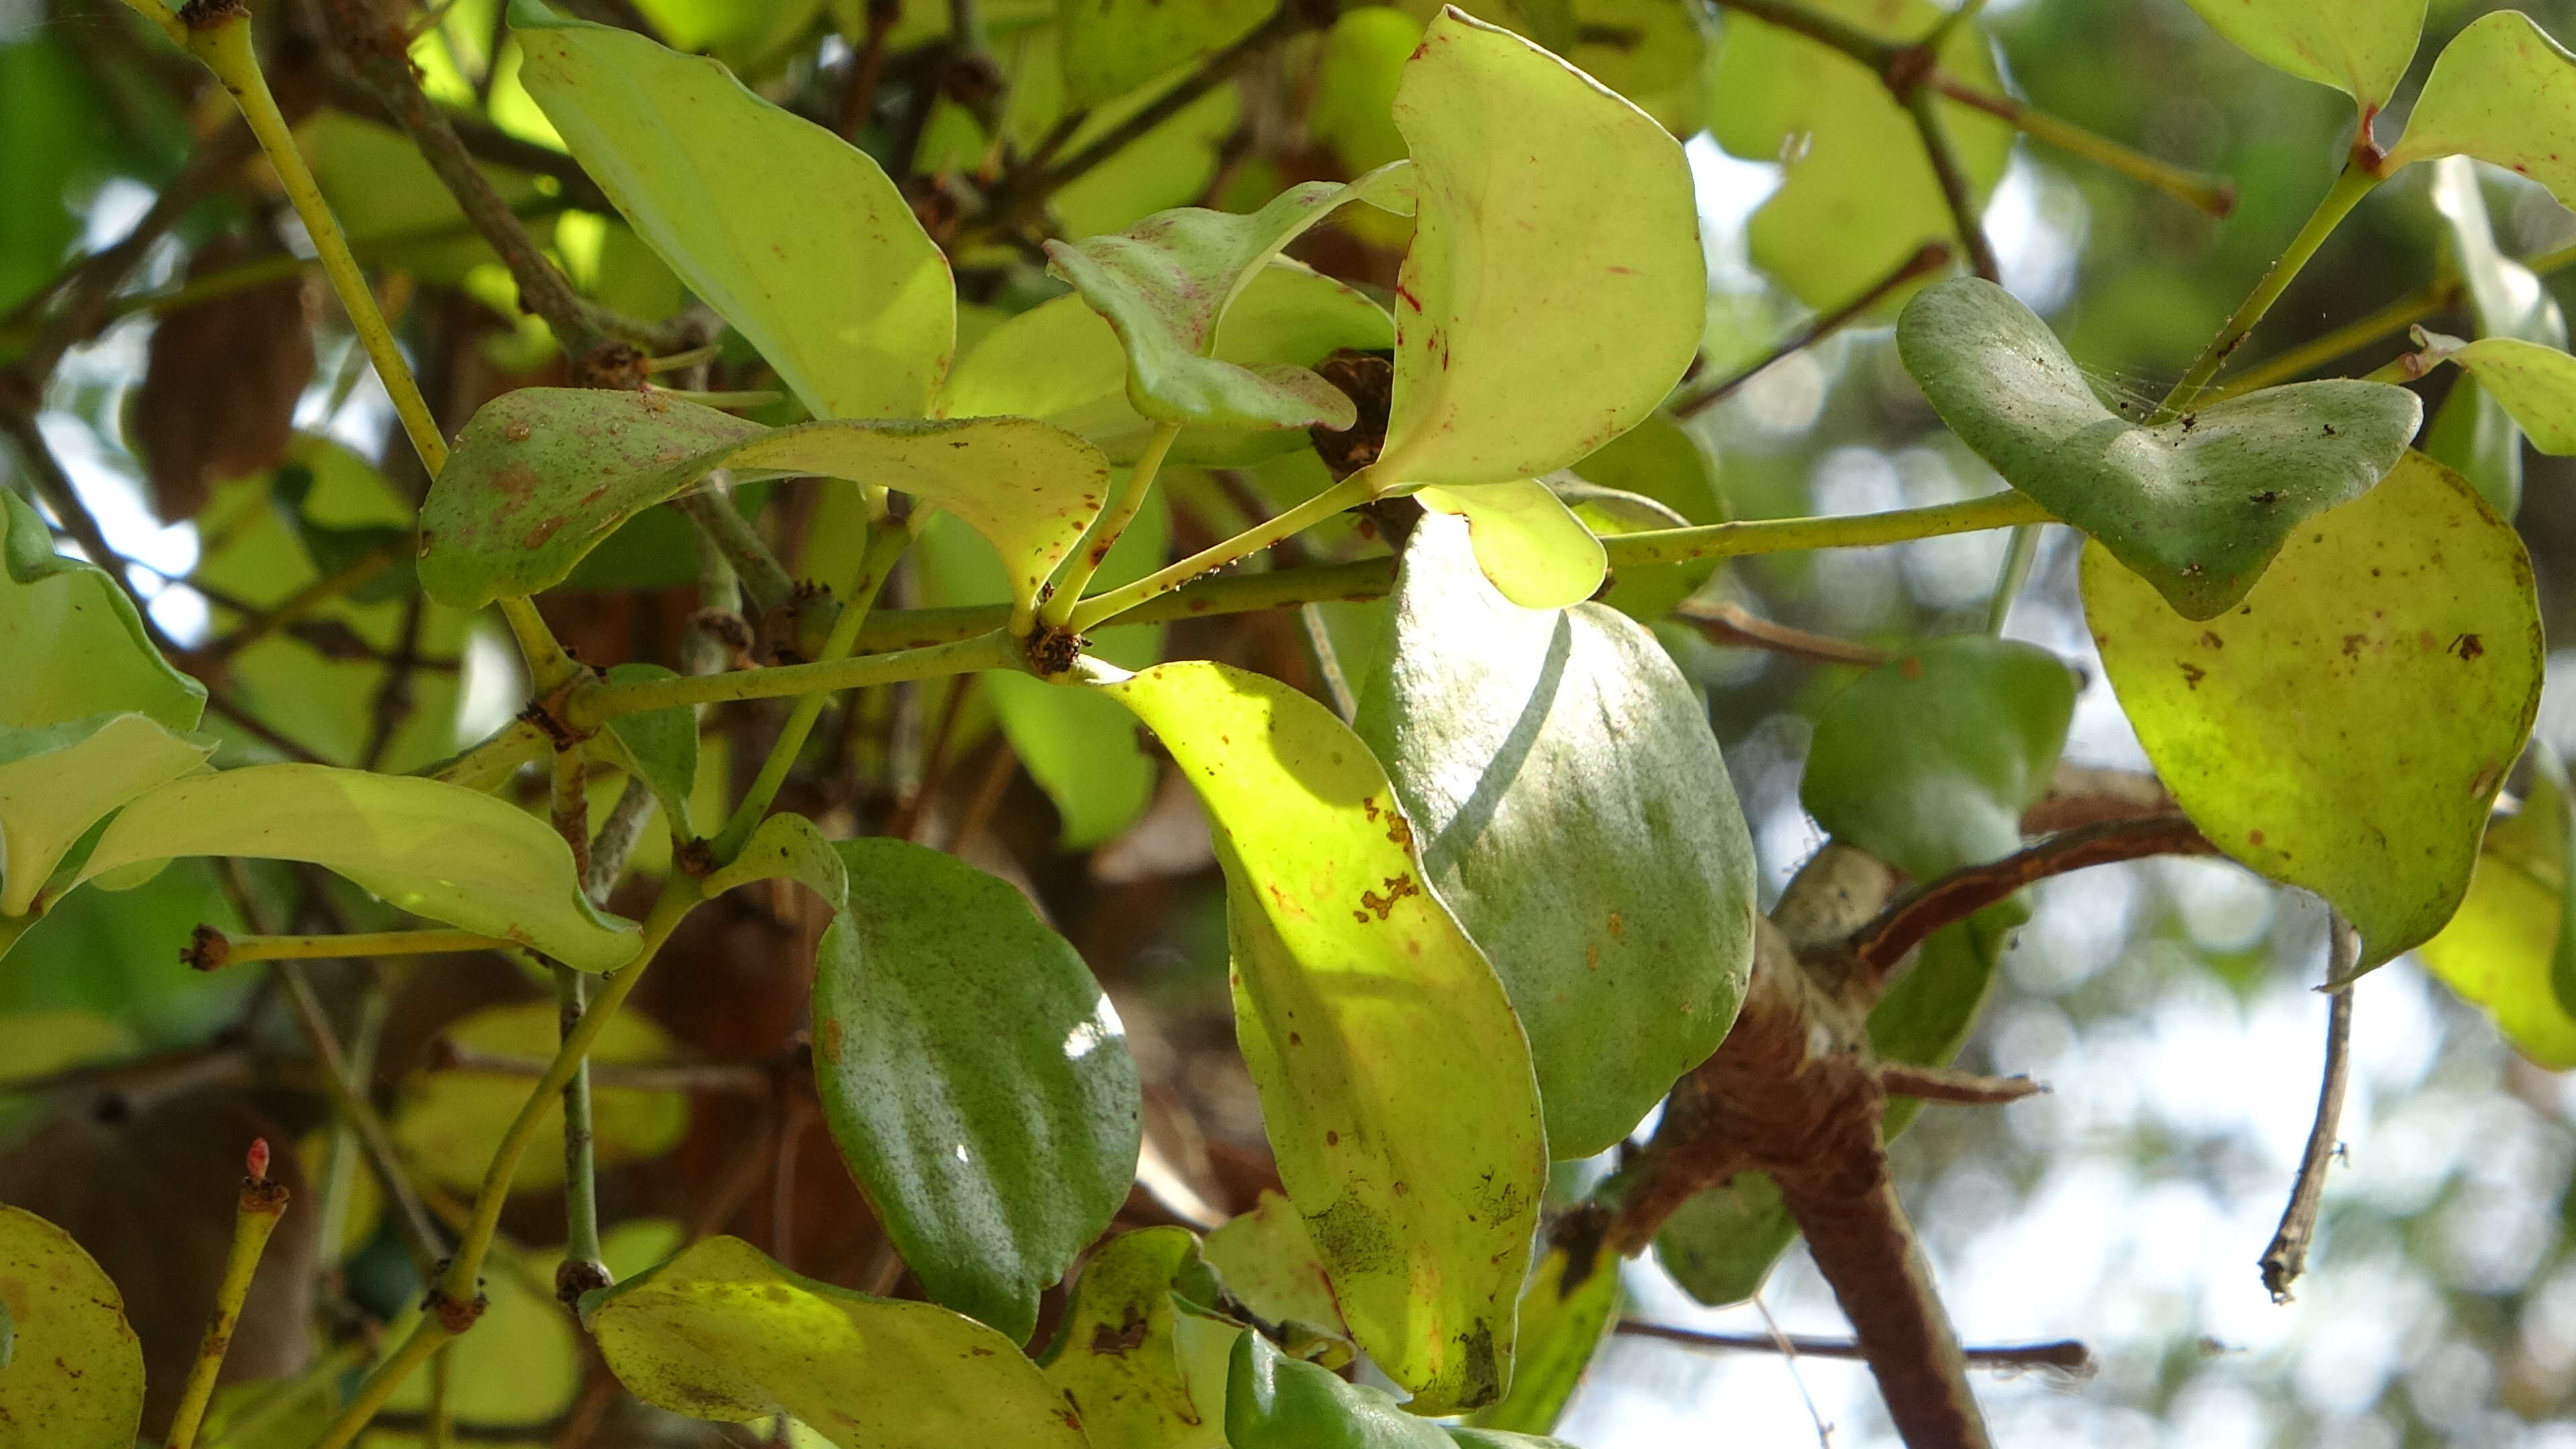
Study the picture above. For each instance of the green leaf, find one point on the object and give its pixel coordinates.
(1170, 165)
(2359, 47)
(433, 849)
(1273, 1401)
(1544, 756)
(1355, 84)
(2501, 91)
(1062, 362)
(1527, 333)
(1563, 1326)
(1144, 1368)
(975, 1077)
(2534, 384)
(1270, 1264)
(56, 783)
(721, 1332)
(542, 475)
(1394, 1079)
(1110, 47)
(453, 1119)
(1858, 197)
(393, 206)
(2509, 948)
(2295, 730)
(1526, 540)
(1166, 283)
(2199, 505)
(1928, 761)
(1660, 461)
(75, 1379)
(2473, 434)
(522, 1365)
(791, 234)
(658, 747)
(71, 643)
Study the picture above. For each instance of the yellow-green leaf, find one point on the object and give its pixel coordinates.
(1110, 47)
(2507, 948)
(2502, 91)
(2359, 47)
(1269, 1262)
(1394, 1078)
(2536, 385)
(1858, 197)
(453, 1118)
(793, 235)
(74, 1378)
(1528, 333)
(543, 475)
(1564, 1322)
(1529, 544)
(434, 849)
(522, 1364)
(2299, 728)
(721, 1332)
(1135, 1356)
(71, 643)
(56, 783)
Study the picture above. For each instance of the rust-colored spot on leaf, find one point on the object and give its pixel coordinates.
(1397, 888)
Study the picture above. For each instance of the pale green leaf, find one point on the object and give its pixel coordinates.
(1526, 540)
(1575, 813)
(1269, 1262)
(1660, 461)
(542, 475)
(391, 204)
(2508, 947)
(1110, 47)
(2198, 505)
(721, 1332)
(658, 747)
(1928, 762)
(1858, 197)
(1563, 1326)
(1355, 82)
(71, 643)
(2472, 433)
(1166, 284)
(57, 782)
(1062, 362)
(1394, 1078)
(1528, 334)
(2534, 384)
(2294, 730)
(433, 849)
(1277, 1402)
(785, 846)
(1170, 165)
(74, 1379)
(1144, 1368)
(2501, 91)
(790, 233)
(975, 1077)
(452, 1120)
(2359, 47)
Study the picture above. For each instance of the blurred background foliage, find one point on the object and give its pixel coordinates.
(216, 422)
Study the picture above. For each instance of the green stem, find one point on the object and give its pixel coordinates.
(1345, 494)
(2356, 182)
(548, 665)
(582, 1268)
(1105, 529)
(2215, 195)
(262, 1204)
(722, 525)
(1787, 535)
(222, 40)
(887, 539)
(594, 706)
(427, 1337)
(2018, 555)
(2394, 318)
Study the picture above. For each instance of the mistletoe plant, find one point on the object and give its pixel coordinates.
(1494, 918)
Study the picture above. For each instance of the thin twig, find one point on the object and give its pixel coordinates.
(2067, 1354)
(1730, 623)
(2287, 1257)
(1923, 103)
(1787, 1348)
(1928, 258)
(1884, 942)
(731, 1079)
(1944, 1084)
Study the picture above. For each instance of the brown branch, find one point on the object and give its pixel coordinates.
(2287, 1256)
(2066, 1354)
(1728, 623)
(2087, 794)
(1956, 896)
(1928, 258)
(374, 48)
(487, 142)
(1943, 1084)
(1924, 105)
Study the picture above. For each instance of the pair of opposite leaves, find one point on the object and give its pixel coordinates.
(1503, 368)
